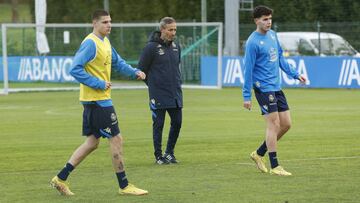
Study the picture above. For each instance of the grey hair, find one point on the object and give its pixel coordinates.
(165, 21)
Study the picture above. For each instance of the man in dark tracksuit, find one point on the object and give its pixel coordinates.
(160, 61)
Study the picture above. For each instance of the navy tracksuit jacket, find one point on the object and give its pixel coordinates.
(160, 62)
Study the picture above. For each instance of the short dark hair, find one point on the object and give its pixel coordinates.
(99, 13)
(261, 11)
(166, 20)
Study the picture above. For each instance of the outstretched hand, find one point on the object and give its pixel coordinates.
(140, 75)
(302, 79)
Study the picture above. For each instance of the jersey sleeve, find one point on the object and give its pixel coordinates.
(249, 64)
(86, 53)
(121, 66)
(284, 65)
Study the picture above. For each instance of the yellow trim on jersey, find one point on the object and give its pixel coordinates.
(99, 67)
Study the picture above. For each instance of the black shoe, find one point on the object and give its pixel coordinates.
(161, 160)
(170, 158)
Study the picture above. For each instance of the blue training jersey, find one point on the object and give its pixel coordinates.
(86, 53)
(263, 58)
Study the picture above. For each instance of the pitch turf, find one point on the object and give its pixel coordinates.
(39, 131)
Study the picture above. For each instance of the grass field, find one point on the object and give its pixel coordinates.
(39, 131)
(51, 86)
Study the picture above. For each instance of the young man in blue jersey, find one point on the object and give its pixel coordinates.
(92, 68)
(263, 58)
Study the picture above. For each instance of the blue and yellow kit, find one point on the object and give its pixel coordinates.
(92, 67)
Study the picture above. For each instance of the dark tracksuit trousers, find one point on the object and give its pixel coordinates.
(158, 117)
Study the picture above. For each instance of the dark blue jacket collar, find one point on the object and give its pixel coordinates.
(155, 37)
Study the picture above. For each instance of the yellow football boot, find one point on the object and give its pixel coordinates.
(280, 171)
(259, 162)
(132, 190)
(61, 186)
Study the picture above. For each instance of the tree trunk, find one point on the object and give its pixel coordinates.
(14, 10)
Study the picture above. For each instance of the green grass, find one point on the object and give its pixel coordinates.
(39, 131)
(40, 84)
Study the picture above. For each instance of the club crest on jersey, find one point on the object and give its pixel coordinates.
(161, 52)
(113, 117)
(273, 55)
(271, 98)
(107, 60)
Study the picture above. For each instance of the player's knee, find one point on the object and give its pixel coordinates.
(275, 125)
(286, 127)
(93, 146)
(274, 129)
(92, 143)
(117, 140)
(120, 139)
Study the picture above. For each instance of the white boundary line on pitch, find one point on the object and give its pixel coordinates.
(325, 158)
(312, 159)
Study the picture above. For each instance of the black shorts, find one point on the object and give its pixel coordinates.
(100, 121)
(271, 101)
